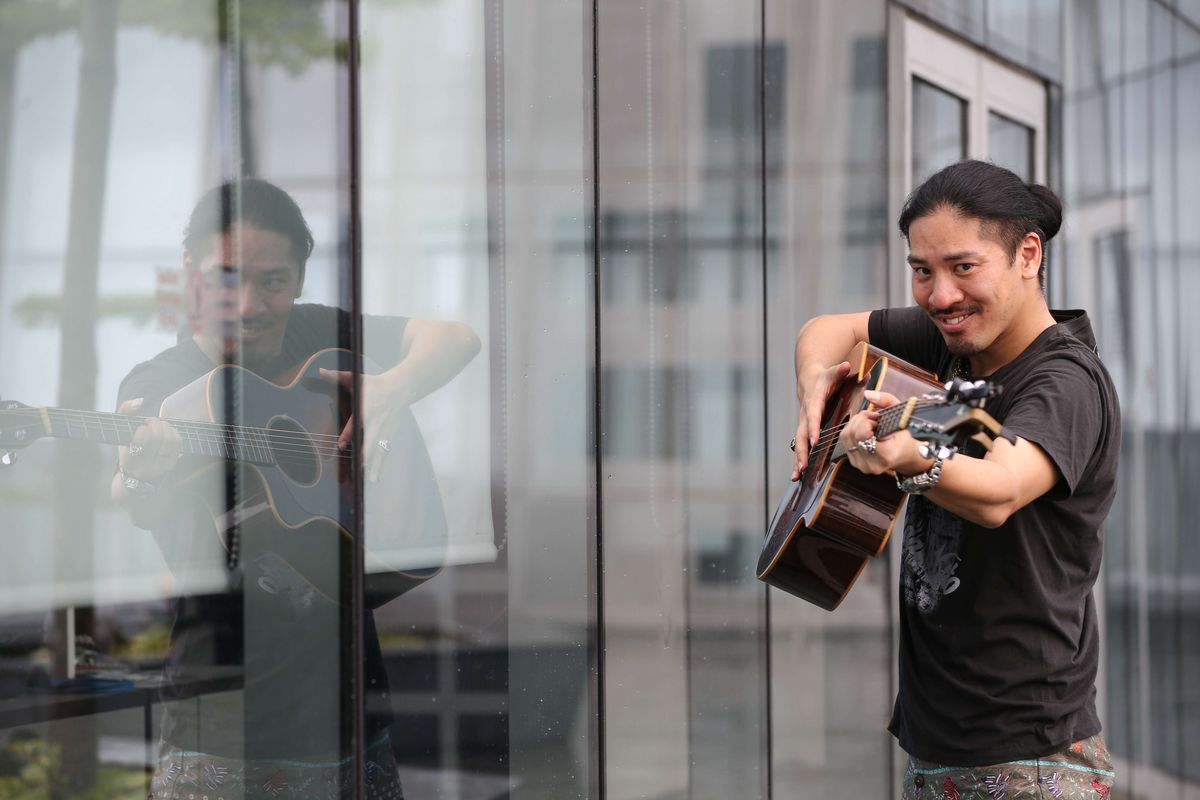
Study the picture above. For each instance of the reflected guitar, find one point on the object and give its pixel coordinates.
(275, 484)
(835, 519)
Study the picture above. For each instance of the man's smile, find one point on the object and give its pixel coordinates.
(953, 321)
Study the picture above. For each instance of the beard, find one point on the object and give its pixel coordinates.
(962, 348)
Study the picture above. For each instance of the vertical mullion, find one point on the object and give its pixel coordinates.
(350, 200)
(768, 742)
(597, 769)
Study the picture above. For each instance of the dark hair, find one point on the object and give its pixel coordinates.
(251, 200)
(1007, 207)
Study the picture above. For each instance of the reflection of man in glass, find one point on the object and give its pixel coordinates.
(245, 608)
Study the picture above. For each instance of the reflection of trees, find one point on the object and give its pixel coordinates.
(288, 33)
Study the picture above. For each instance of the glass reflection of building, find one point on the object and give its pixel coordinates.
(634, 208)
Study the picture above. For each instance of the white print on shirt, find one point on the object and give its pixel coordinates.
(931, 537)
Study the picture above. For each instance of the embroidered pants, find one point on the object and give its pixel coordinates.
(1081, 771)
(185, 775)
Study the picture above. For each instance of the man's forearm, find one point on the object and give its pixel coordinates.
(823, 342)
(436, 354)
(977, 490)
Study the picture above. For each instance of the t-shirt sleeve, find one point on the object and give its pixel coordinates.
(1062, 412)
(314, 326)
(906, 333)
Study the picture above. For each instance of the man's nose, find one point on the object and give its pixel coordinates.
(249, 300)
(946, 292)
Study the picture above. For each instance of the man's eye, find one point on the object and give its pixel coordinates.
(962, 267)
(920, 272)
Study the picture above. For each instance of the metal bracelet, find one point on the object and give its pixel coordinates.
(921, 482)
(136, 486)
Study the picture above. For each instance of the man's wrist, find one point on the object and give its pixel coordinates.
(916, 465)
(806, 378)
(135, 486)
(921, 482)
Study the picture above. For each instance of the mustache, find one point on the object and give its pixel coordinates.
(951, 311)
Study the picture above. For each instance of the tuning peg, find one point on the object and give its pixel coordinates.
(8, 458)
(944, 452)
(969, 391)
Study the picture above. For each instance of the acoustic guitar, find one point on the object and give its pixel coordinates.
(275, 483)
(835, 519)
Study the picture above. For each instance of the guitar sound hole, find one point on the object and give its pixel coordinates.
(294, 451)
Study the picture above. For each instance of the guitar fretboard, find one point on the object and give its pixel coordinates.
(255, 445)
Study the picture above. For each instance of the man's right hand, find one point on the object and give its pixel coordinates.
(815, 392)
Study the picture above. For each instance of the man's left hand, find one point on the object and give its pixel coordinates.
(899, 452)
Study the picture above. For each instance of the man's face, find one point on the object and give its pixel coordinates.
(245, 286)
(966, 282)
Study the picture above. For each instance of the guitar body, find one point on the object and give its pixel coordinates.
(287, 513)
(835, 519)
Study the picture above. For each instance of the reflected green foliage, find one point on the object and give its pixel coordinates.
(23, 21)
(150, 642)
(46, 309)
(31, 769)
(288, 33)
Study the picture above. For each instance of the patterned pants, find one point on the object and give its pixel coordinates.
(1081, 771)
(185, 775)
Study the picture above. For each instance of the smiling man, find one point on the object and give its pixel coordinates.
(999, 645)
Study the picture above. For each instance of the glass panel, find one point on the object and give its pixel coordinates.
(965, 17)
(1010, 145)
(681, 422)
(939, 135)
(826, 252)
(1143, 279)
(211, 651)
(1028, 32)
(475, 230)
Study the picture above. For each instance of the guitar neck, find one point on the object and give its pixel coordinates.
(896, 417)
(196, 438)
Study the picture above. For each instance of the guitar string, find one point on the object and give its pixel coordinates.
(888, 415)
(213, 430)
(228, 436)
(222, 436)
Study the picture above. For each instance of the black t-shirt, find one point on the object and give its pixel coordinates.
(998, 631)
(283, 637)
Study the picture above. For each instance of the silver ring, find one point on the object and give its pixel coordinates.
(384, 445)
(134, 449)
(868, 445)
(792, 444)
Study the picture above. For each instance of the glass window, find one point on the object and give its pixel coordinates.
(827, 231)
(477, 232)
(939, 135)
(1010, 144)
(176, 607)
(680, 158)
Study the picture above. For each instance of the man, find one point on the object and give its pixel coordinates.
(245, 253)
(998, 646)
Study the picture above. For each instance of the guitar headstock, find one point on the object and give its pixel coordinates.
(971, 393)
(20, 425)
(945, 421)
